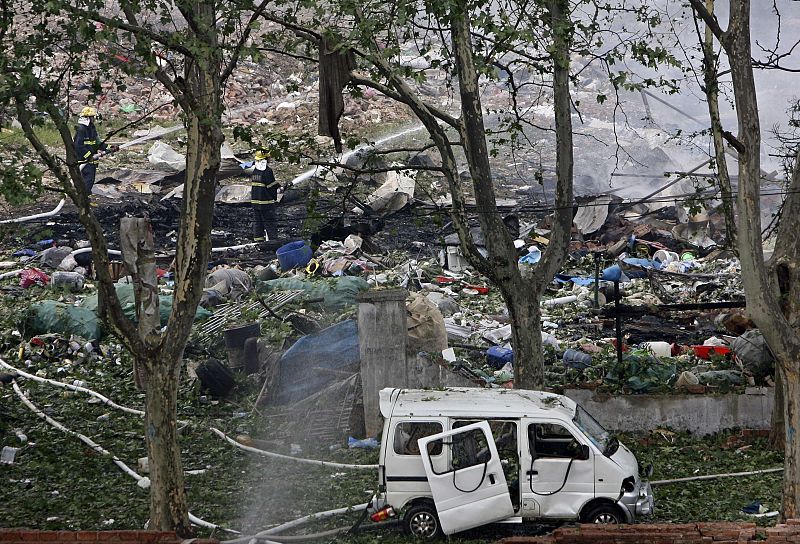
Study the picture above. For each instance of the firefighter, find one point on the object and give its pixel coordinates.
(263, 197)
(88, 146)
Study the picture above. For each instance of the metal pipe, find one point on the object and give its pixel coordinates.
(618, 322)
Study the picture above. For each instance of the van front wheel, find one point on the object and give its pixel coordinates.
(422, 522)
(603, 514)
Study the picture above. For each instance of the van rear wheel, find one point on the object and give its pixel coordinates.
(603, 514)
(422, 522)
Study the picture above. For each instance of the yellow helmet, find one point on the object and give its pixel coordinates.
(261, 154)
(88, 111)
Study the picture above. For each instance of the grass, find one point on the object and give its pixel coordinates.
(47, 133)
(679, 455)
(57, 482)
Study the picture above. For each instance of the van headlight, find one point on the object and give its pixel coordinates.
(628, 484)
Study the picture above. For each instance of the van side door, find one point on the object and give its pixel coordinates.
(467, 483)
(557, 472)
(404, 473)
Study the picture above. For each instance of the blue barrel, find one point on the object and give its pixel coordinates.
(497, 357)
(294, 255)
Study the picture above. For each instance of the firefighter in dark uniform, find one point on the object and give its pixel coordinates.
(263, 198)
(88, 146)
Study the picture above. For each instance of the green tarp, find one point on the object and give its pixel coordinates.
(126, 299)
(337, 293)
(51, 316)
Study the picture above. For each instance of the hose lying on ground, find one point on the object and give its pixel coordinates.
(271, 535)
(36, 216)
(317, 462)
(11, 274)
(78, 388)
(142, 481)
(715, 476)
(219, 433)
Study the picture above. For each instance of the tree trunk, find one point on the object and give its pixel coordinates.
(526, 339)
(138, 254)
(771, 291)
(791, 467)
(777, 431)
(522, 302)
(168, 507)
(712, 98)
(784, 269)
(205, 137)
(202, 76)
(500, 245)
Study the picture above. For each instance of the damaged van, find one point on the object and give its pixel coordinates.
(458, 458)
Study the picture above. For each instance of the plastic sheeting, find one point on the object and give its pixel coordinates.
(230, 282)
(50, 316)
(592, 215)
(755, 356)
(128, 302)
(338, 294)
(315, 361)
(162, 156)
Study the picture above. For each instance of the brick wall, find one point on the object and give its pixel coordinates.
(669, 533)
(25, 536)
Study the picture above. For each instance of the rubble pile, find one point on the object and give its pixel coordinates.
(669, 296)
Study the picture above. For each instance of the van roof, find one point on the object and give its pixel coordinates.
(474, 401)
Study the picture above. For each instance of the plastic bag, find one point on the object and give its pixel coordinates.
(33, 276)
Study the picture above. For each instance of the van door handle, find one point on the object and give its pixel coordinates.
(491, 479)
(532, 473)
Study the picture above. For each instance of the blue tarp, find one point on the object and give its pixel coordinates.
(334, 348)
(614, 272)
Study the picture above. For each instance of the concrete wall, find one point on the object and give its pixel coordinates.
(382, 338)
(699, 414)
(382, 333)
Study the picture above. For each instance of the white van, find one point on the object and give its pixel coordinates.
(458, 458)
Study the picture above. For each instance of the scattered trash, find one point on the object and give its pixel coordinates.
(365, 443)
(755, 507)
(577, 359)
(317, 360)
(71, 281)
(706, 352)
(752, 351)
(659, 349)
(162, 156)
(33, 276)
(497, 357)
(426, 328)
(235, 339)
(532, 257)
(52, 257)
(8, 455)
(686, 380)
(50, 316)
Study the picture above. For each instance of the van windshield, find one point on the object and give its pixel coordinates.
(591, 428)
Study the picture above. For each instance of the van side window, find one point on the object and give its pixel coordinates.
(407, 433)
(551, 440)
(467, 449)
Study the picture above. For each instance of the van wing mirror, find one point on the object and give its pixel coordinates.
(583, 453)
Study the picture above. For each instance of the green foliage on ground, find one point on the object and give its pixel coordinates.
(57, 482)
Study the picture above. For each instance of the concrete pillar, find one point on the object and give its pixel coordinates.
(382, 334)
